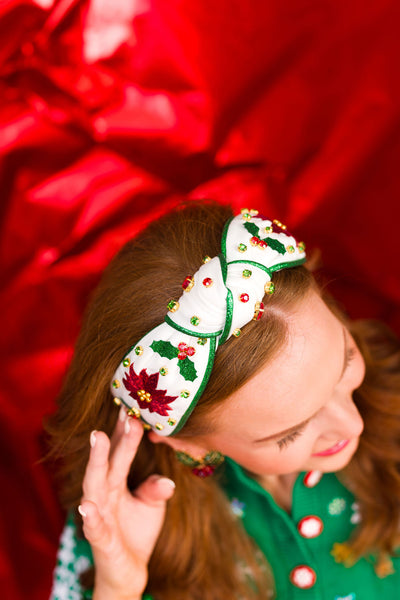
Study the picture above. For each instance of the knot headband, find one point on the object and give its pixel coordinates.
(162, 377)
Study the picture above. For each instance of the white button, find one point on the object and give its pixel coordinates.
(303, 577)
(310, 527)
(312, 478)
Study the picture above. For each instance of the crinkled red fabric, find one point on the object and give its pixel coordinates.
(110, 112)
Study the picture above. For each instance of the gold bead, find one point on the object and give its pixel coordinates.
(269, 287)
(159, 426)
(133, 412)
(146, 426)
(117, 401)
(253, 212)
(173, 306)
(236, 332)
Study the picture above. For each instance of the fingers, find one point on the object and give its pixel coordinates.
(155, 490)
(94, 482)
(126, 439)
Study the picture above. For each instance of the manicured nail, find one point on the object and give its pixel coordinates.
(169, 482)
(127, 426)
(81, 511)
(122, 414)
(93, 438)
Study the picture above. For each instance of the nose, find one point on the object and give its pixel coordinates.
(343, 421)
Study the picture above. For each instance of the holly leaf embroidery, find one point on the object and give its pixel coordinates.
(252, 228)
(187, 369)
(275, 245)
(165, 349)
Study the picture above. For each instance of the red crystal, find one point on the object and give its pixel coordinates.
(190, 351)
(183, 347)
(260, 311)
(262, 244)
(187, 281)
(182, 355)
(204, 471)
(207, 281)
(255, 240)
(244, 297)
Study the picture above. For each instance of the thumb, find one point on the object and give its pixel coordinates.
(155, 490)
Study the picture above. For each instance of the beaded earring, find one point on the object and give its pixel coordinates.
(203, 467)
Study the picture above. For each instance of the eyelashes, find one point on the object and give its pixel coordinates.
(288, 439)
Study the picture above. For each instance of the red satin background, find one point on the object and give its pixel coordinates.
(111, 111)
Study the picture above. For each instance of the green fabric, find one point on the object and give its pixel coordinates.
(277, 535)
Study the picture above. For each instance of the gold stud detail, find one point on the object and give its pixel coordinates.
(144, 396)
(279, 224)
(171, 422)
(173, 306)
(269, 287)
(133, 412)
(117, 401)
(116, 383)
(146, 426)
(253, 212)
(159, 426)
(236, 332)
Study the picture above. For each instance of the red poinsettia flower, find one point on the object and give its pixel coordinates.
(143, 388)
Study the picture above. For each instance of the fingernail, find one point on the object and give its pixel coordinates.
(81, 511)
(166, 479)
(127, 426)
(93, 438)
(122, 414)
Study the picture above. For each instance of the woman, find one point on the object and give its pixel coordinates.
(250, 364)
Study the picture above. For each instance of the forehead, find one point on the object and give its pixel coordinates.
(296, 383)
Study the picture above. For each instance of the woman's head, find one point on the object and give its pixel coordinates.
(131, 300)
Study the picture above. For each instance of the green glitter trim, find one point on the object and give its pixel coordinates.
(224, 234)
(286, 265)
(207, 373)
(229, 316)
(195, 334)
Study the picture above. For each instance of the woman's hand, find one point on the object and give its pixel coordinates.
(122, 528)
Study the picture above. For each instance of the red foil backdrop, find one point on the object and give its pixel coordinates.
(113, 110)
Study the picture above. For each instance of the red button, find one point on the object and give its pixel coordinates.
(312, 478)
(310, 527)
(303, 577)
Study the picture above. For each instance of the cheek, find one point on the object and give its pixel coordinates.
(270, 460)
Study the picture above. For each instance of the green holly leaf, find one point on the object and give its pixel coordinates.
(252, 228)
(165, 349)
(275, 245)
(187, 369)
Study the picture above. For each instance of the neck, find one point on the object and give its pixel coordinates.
(280, 487)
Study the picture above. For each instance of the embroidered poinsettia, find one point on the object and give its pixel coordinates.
(143, 388)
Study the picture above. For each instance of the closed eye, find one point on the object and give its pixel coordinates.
(288, 439)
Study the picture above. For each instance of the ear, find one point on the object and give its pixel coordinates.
(194, 448)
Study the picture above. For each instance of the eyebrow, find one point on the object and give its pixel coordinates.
(302, 425)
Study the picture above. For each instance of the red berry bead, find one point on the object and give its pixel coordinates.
(190, 351)
(244, 298)
(254, 241)
(183, 347)
(182, 355)
(207, 282)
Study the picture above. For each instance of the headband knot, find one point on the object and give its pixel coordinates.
(162, 377)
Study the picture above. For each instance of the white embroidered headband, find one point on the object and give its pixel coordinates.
(163, 376)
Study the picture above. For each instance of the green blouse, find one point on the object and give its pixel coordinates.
(297, 546)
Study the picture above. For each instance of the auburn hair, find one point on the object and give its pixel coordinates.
(202, 546)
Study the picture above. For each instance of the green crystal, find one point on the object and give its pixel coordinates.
(242, 247)
(202, 341)
(184, 394)
(195, 320)
(246, 273)
(126, 362)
